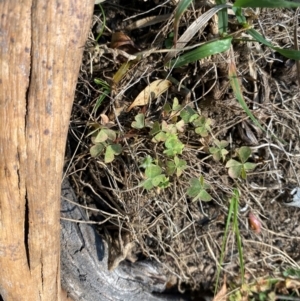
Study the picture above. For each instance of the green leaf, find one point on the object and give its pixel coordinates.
(244, 153)
(111, 151)
(202, 126)
(159, 137)
(181, 8)
(197, 190)
(147, 162)
(221, 144)
(101, 137)
(105, 134)
(171, 167)
(266, 3)
(147, 184)
(176, 106)
(235, 168)
(174, 146)
(178, 166)
(188, 114)
(102, 83)
(289, 53)
(219, 152)
(164, 183)
(169, 40)
(155, 128)
(243, 173)
(202, 131)
(97, 149)
(167, 109)
(222, 18)
(204, 51)
(181, 165)
(139, 122)
(249, 166)
(233, 163)
(204, 196)
(239, 94)
(291, 272)
(153, 171)
(158, 179)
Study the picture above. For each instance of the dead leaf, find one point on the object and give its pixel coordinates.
(120, 40)
(221, 295)
(292, 284)
(148, 21)
(152, 91)
(104, 119)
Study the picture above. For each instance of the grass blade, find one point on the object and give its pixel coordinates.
(266, 3)
(296, 43)
(181, 8)
(289, 53)
(223, 18)
(235, 84)
(235, 200)
(194, 28)
(206, 50)
(230, 212)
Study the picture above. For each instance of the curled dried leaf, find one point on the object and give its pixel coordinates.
(152, 91)
(122, 41)
(255, 223)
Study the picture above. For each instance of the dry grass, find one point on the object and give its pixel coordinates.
(163, 224)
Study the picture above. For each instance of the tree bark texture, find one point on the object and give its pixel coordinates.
(41, 45)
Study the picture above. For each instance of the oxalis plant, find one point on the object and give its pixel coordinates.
(104, 142)
(166, 132)
(239, 169)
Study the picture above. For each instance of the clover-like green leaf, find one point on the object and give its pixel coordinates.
(155, 128)
(197, 190)
(154, 178)
(234, 168)
(160, 181)
(147, 162)
(174, 145)
(152, 171)
(178, 166)
(244, 153)
(105, 134)
(139, 122)
(176, 106)
(188, 115)
(97, 149)
(171, 167)
(111, 151)
(219, 152)
(249, 166)
(167, 109)
(237, 169)
(202, 125)
(161, 136)
(181, 165)
(147, 184)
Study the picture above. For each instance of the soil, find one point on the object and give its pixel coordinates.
(165, 224)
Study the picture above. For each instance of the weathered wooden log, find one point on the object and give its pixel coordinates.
(41, 45)
(84, 258)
